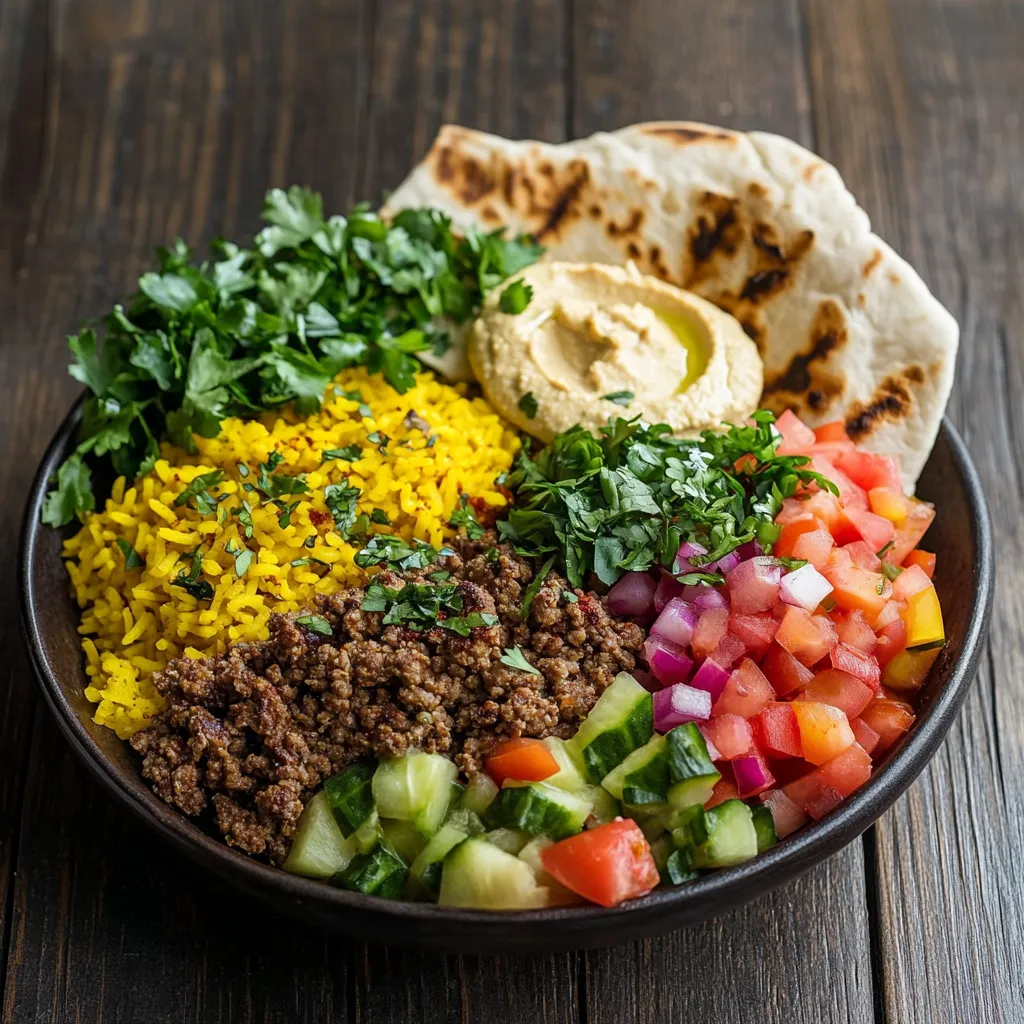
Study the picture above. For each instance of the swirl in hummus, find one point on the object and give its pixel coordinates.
(592, 330)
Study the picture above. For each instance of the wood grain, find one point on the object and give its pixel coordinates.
(739, 65)
(918, 108)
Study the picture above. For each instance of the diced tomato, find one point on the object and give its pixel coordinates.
(792, 531)
(848, 771)
(891, 611)
(814, 546)
(776, 732)
(730, 734)
(840, 689)
(868, 469)
(853, 630)
(856, 588)
(606, 864)
(889, 502)
(792, 508)
(856, 663)
(864, 734)
(746, 692)
(834, 431)
(812, 794)
(824, 505)
(796, 436)
(889, 718)
(784, 672)
(909, 533)
(728, 650)
(711, 628)
(755, 631)
(824, 730)
(850, 494)
(911, 581)
(892, 638)
(522, 759)
(907, 670)
(925, 560)
(807, 637)
(863, 555)
(787, 815)
(875, 531)
(725, 789)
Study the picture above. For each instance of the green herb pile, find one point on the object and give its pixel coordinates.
(252, 329)
(627, 499)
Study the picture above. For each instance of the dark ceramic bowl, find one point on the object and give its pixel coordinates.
(961, 535)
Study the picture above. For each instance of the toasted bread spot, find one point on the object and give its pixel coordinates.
(894, 277)
(914, 374)
(892, 402)
(630, 227)
(464, 176)
(805, 382)
(763, 283)
(566, 202)
(757, 190)
(595, 211)
(489, 213)
(718, 228)
(670, 204)
(683, 134)
(876, 258)
(633, 250)
(810, 171)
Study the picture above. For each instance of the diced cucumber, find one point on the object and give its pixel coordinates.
(620, 721)
(680, 866)
(480, 875)
(642, 779)
(479, 794)
(380, 873)
(465, 821)
(652, 825)
(350, 795)
(764, 827)
(416, 787)
(661, 850)
(319, 850)
(570, 774)
(688, 826)
(731, 836)
(605, 807)
(558, 894)
(367, 835)
(540, 809)
(403, 837)
(691, 774)
(511, 840)
(425, 870)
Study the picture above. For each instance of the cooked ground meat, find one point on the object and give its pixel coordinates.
(251, 735)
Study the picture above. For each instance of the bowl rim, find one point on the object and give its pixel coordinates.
(721, 888)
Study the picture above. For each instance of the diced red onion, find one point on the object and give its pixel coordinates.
(714, 754)
(711, 677)
(690, 549)
(633, 594)
(725, 564)
(709, 598)
(668, 587)
(678, 704)
(749, 550)
(752, 774)
(804, 587)
(786, 813)
(754, 585)
(676, 622)
(669, 662)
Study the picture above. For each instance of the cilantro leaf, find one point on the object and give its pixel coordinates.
(199, 489)
(515, 298)
(132, 559)
(72, 496)
(514, 658)
(619, 397)
(315, 624)
(340, 500)
(528, 405)
(465, 518)
(350, 453)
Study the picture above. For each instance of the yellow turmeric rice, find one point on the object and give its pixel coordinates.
(134, 621)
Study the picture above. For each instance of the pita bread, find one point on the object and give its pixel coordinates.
(750, 221)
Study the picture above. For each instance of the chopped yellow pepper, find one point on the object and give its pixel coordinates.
(909, 669)
(924, 618)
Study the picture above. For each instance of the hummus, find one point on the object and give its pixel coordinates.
(591, 331)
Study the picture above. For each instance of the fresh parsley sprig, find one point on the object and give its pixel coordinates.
(251, 329)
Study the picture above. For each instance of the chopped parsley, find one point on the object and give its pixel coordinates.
(380, 440)
(514, 658)
(350, 453)
(199, 489)
(243, 558)
(380, 517)
(253, 329)
(890, 571)
(396, 553)
(625, 499)
(285, 518)
(244, 516)
(340, 500)
(243, 470)
(534, 588)
(515, 298)
(528, 405)
(570, 597)
(315, 624)
(465, 518)
(276, 485)
(619, 397)
(188, 579)
(420, 606)
(132, 559)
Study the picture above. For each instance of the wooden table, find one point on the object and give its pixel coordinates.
(124, 123)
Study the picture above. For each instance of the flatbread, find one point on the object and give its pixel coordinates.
(750, 221)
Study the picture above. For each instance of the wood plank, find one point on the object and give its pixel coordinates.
(163, 119)
(919, 109)
(500, 68)
(740, 65)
